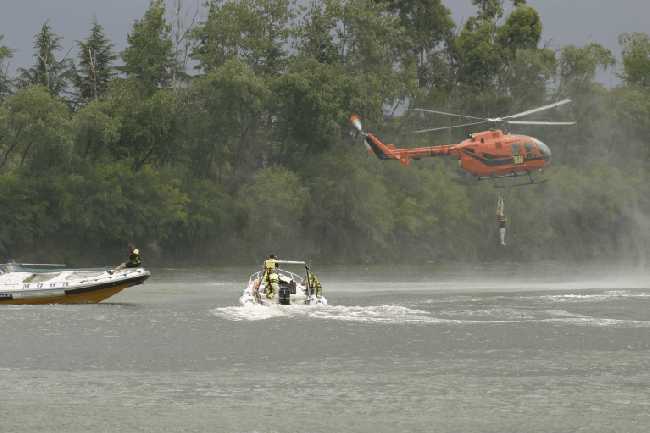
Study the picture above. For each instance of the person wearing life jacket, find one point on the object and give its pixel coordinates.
(314, 283)
(134, 257)
(271, 277)
(135, 261)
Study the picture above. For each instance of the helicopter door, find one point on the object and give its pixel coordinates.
(517, 158)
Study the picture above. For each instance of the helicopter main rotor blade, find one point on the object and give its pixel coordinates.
(425, 110)
(422, 131)
(534, 110)
(537, 122)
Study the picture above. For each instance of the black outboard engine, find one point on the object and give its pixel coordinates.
(284, 294)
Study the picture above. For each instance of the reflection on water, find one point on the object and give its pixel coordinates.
(416, 354)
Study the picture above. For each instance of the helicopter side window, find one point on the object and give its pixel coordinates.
(515, 150)
(529, 151)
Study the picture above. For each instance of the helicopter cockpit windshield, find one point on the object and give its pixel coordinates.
(546, 151)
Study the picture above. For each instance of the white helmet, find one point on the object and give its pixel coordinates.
(136, 251)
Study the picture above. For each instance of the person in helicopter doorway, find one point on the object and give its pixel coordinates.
(501, 220)
(314, 283)
(270, 277)
(135, 261)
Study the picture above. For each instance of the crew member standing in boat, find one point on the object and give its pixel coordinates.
(271, 278)
(314, 283)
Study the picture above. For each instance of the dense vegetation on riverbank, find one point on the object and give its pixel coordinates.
(228, 139)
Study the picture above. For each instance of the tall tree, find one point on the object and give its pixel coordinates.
(526, 68)
(5, 54)
(578, 67)
(254, 31)
(489, 9)
(636, 58)
(315, 34)
(37, 131)
(49, 71)
(150, 56)
(95, 64)
(428, 29)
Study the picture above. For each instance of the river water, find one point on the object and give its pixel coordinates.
(393, 352)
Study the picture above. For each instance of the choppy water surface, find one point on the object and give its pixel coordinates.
(400, 353)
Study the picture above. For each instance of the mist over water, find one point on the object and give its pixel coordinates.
(418, 351)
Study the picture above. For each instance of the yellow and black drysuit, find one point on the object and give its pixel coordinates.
(134, 259)
(271, 278)
(314, 284)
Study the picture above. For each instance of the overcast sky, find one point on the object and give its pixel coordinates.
(565, 21)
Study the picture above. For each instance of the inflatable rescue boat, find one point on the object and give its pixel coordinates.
(32, 284)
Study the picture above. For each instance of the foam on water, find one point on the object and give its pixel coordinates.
(596, 297)
(365, 314)
(399, 314)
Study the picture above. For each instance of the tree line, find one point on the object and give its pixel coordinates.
(228, 139)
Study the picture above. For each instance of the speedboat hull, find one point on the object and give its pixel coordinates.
(66, 287)
(292, 291)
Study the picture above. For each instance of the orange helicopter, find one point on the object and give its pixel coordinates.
(486, 155)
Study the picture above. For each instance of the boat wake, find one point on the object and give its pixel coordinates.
(399, 314)
(360, 314)
(596, 297)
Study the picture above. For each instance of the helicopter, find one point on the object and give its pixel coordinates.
(486, 155)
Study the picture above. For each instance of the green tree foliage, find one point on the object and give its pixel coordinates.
(149, 56)
(37, 132)
(578, 66)
(252, 153)
(428, 30)
(5, 83)
(273, 204)
(636, 58)
(350, 211)
(226, 122)
(315, 34)
(522, 29)
(50, 72)
(253, 31)
(479, 59)
(148, 124)
(95, 69)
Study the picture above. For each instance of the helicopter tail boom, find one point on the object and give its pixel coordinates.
(385, 151)
(404, 156)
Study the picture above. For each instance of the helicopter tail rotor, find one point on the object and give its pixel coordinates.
(356, 123)
(373, 143)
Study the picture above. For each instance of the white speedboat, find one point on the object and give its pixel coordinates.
(294, 289)
(32, 284)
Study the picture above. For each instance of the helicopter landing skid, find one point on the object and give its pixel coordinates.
(531, 180)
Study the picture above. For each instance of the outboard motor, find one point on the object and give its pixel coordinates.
(284, 294)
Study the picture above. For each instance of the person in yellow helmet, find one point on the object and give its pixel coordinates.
(271, 277)
(135, 261)
(134, 257)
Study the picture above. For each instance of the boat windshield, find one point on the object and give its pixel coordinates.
(283, 273)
